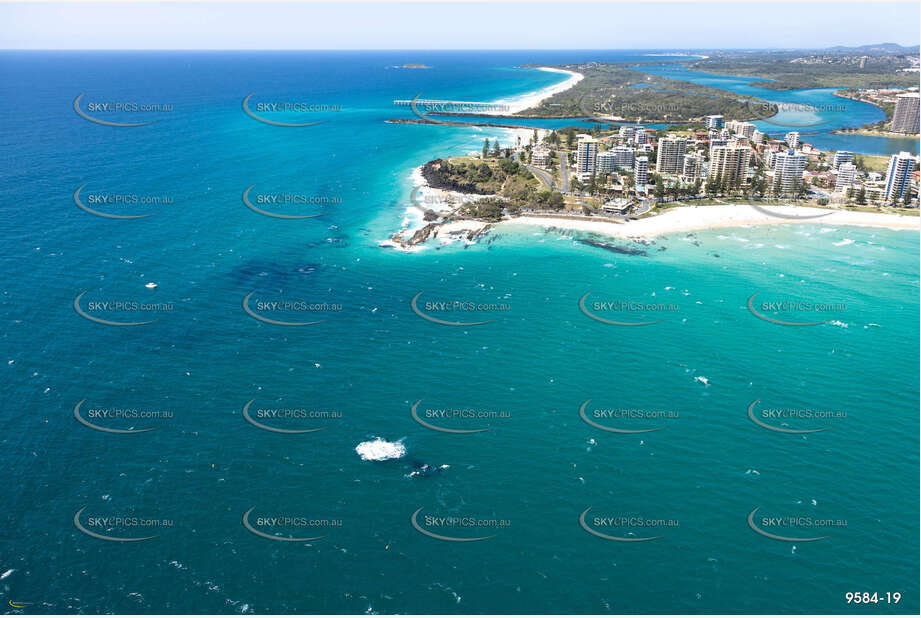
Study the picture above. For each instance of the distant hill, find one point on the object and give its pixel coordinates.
(877, 48)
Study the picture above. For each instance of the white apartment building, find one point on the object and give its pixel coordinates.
(788, 171)
(715, 121)
(671, 154)
(905, 117)
(641, 173)
(898, 177)
(586, 153)
(847, 172)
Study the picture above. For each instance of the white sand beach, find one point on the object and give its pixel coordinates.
(691, 218)
(523, 102)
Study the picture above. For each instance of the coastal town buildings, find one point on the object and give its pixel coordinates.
(586, 153)
(842, 156)
(671, 154)
(740, 127)
(540, 157)
(714, 121)
(898, 176)
(788, 172)
(623, 157)
(692, 168)
(729, 164)
(847, 173)
(640, 136)
(792, 139)
(606, 162)
(641, 173)
(905, 117)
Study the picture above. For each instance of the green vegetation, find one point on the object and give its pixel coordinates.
(794, 70)
(606, 92)
(511, 186)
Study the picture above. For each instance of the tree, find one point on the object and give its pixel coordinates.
(660, 189)
(495, 149)
(862, 196)
(485, 148)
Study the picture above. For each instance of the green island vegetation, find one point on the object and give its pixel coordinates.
(813, 69)
(613, 90)
(510, 186)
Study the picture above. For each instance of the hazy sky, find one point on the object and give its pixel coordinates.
(647, 25)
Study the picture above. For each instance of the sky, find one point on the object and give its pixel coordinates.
(475, 25)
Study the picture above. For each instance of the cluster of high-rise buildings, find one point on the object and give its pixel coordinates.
(734, 155)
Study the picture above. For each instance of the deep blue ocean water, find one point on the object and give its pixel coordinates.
(191, 479)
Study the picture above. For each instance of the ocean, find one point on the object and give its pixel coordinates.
(543, 390)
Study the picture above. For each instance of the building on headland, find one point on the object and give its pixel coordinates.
(715, 121)
(586, 153)
(693, 166)
(788, 172)
(905, 117)
(540, 157)
(641, 173)
(671, 154)
(792, 139)
(729, 164)
(842, 156)
(898, 177)
(847, 172)
(757, 137)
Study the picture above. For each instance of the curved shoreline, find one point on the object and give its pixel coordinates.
(697, 218)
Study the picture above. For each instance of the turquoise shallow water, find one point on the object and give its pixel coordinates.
(539, 359)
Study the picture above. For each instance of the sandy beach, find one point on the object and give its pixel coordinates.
(523, 102)
(692, 218)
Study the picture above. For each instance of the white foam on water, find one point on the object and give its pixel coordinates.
(380, 450)
(846, 241)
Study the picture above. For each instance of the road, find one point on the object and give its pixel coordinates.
(564, 172)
